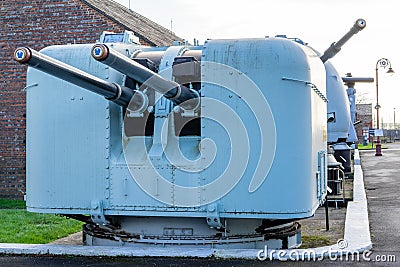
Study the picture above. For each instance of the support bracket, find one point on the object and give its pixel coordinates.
(97, 213)
(213, 219)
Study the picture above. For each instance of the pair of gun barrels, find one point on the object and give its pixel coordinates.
(126, 97)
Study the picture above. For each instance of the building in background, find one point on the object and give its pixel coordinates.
(43, 23)
(363, 119)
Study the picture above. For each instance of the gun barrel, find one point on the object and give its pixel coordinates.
(351, 81)
(336, 46)
(358, 79)
(111, 91)
(177, 93)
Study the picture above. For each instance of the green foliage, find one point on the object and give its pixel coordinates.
(12, 204)
(20, 226)
(313, 241)
(369, 146)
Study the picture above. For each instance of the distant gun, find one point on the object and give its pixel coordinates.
(336, 46)
(350, 81)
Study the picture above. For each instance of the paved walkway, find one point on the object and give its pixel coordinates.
(382, 184)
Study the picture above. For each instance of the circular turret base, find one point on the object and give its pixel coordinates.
(193, 232)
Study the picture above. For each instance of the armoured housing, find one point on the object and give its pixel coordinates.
(262, 103)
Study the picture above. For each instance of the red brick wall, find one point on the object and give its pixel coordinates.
(36, 24)
(364, 115)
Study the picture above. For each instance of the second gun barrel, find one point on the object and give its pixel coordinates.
(175, 92)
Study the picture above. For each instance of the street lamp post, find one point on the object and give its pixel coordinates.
(383, 63)
(394, 118)
(394, 125)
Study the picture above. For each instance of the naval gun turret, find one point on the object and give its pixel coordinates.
(339, 120)
(159, 186)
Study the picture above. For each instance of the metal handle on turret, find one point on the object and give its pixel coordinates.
(336, 46)
(178, 94)
(111, 91)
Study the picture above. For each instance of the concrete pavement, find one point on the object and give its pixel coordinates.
(382, 184)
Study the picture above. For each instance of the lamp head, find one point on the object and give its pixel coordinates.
(390, 71)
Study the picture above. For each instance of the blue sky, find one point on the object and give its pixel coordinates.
(317, 22)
